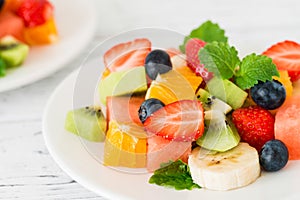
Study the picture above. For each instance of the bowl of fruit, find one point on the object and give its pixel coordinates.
(183, 112)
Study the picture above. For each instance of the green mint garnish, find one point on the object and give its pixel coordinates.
(223, 61)
(220, 58)
(255, 68)
(176, 175)
(207, 32)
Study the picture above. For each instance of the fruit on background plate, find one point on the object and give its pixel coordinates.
(287, 126)
(11, 24)
(235, 168)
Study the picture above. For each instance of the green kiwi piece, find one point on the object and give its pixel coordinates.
(220, 134)
(2, 68)
(227, 91)
(12, 51)
(210, 102)
(89, 123)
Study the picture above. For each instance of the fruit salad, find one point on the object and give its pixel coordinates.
(23, 24)
(198, 116)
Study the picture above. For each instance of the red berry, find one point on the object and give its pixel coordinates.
(127, 55)
(255, 125)
(35, 12)
(179, 121)
(192, 49)
(286, 56)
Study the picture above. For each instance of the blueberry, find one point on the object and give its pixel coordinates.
(157, 62)
(148, 107)
(273, 156)
(268, 95)
(1, 4)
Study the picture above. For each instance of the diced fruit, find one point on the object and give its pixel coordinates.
(11, 5)
(273, 156)
(210, 102)
(286, 56)
(2, 68)
(285, 80)
(170, 87)
(192, 49)
(12, 51)
(287, 123)
(148, 107)
(157, 62)
(180, 65)
(220, 134)
(180, 121)
(228, 170)
(127, 55)
(125, 145)
(124, 109)
(268, 95)
(42, 34)
(89, 123)
(35, 12)
(11, 24)
(227, 92)
(124, 82)
(162, 151)
(255, 125)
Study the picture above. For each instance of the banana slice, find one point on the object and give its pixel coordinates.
(228, 170)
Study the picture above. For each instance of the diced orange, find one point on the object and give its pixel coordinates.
(125, 145)
(12, 5)
(41, 35)
(286, 82)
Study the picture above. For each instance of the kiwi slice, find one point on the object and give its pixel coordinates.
(12, 51)
(227, 91)
(220, 134)
(2, 67)
(88, 123)
(211, 102)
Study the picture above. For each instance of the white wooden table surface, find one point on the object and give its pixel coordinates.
(27, 171)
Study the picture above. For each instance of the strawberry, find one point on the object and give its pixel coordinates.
(179, 121)
(127, 55)
(192, 49)
(255, 125)
(286, 56)
(35, 12)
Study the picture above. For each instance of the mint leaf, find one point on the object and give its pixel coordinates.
(219, 58)
(207, 32)
(176, 175)
(254, 68)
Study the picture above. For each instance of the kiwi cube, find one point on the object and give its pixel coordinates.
(89, 123)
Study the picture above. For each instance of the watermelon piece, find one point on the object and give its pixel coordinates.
(162, 151)
(124, 108)
(11, 24)
(287, 123)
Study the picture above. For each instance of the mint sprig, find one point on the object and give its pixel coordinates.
(176, 175)
(208, 32)
(213, 57)
(223, 61)
(255, 68)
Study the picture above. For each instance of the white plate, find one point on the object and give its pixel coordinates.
(82, 163)
(76, 22)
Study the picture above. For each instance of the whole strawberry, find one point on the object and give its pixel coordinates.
(255, 125)
(192, 49)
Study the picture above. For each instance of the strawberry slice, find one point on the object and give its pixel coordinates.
(127, 55)
(179, 121)
(35, 12)
(286, 56)
(192, 49)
